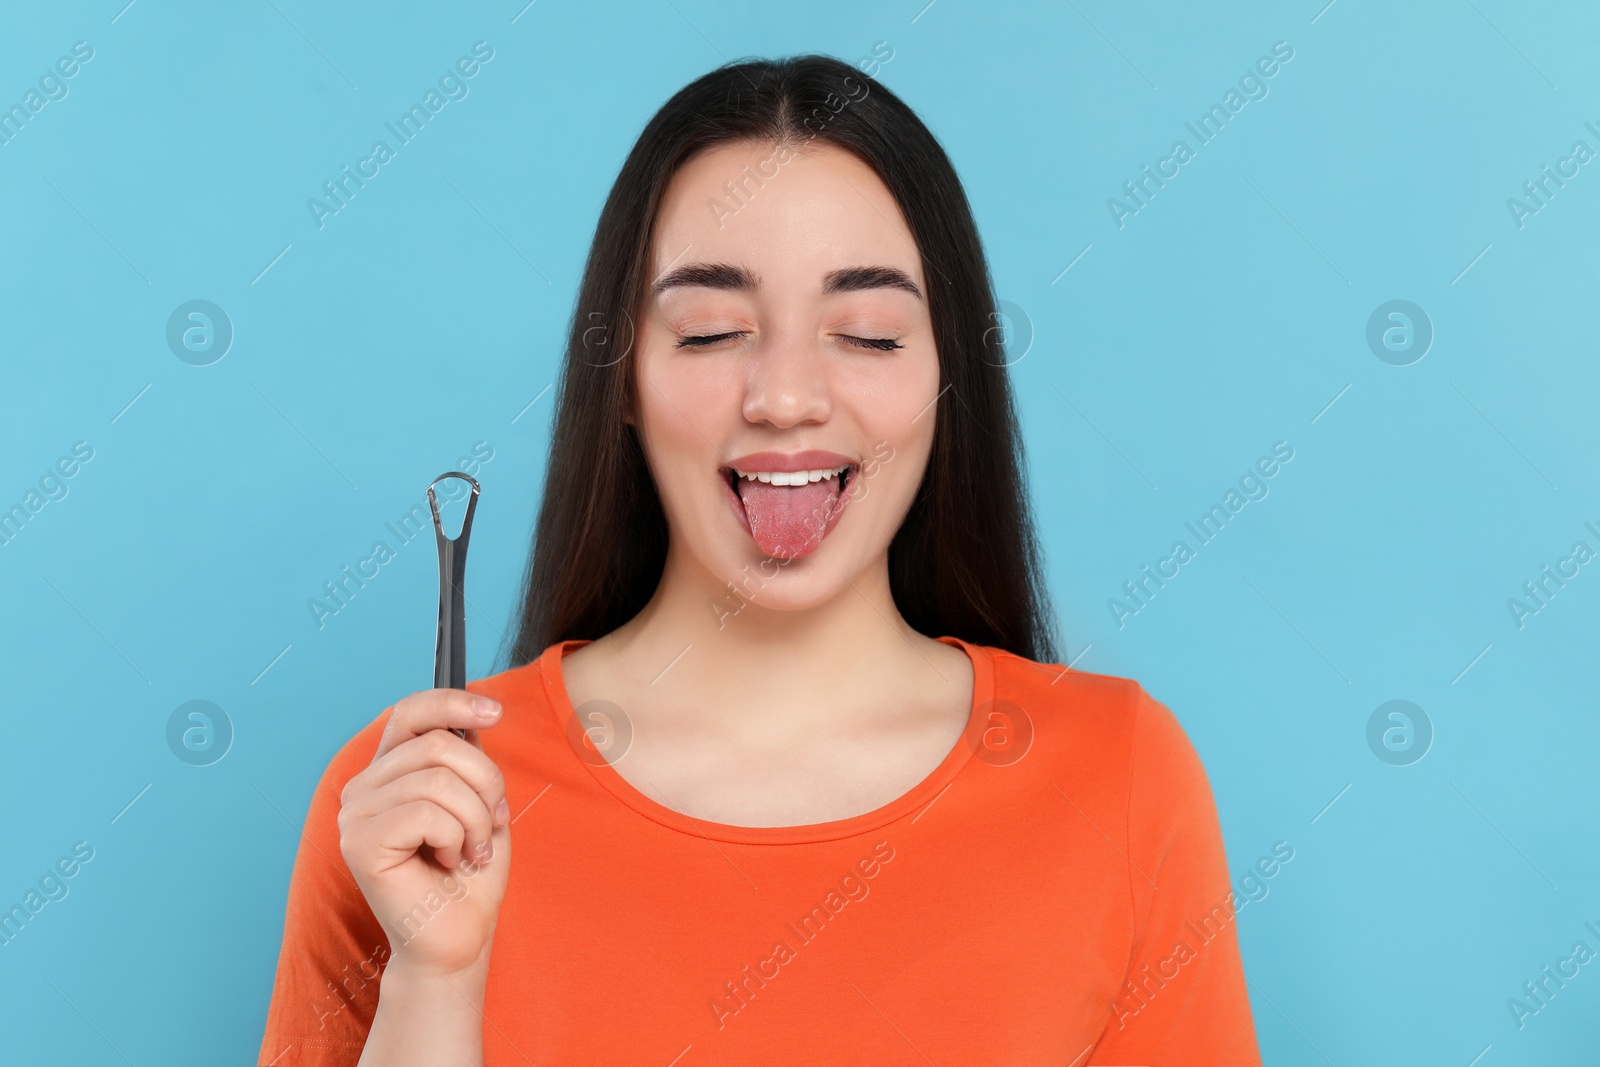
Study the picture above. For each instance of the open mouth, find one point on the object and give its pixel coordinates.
(736, 478)
(788, 513)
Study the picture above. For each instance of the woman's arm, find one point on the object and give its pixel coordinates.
(428, 1020)
(397, 884)
(1183, 999)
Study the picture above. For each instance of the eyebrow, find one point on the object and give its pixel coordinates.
(734, 278)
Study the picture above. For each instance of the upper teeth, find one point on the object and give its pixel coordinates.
(790, 477)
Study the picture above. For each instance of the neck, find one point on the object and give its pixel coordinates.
(727, 647)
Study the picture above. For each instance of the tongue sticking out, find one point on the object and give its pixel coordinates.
(787, 521)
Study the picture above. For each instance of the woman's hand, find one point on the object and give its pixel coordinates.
(425, 829)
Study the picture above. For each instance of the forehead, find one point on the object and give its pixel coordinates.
(789, 223)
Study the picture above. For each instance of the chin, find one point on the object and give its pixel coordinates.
(787, 589)
(750, 580)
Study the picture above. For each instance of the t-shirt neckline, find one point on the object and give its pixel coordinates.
(921, 794)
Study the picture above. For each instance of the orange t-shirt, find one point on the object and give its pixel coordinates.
(1055, 892)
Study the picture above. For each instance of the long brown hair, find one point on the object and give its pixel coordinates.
(965, 562)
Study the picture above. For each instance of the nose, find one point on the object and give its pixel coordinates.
(787, 383)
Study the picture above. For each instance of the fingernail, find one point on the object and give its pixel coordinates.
(484, 708)
(502, 812)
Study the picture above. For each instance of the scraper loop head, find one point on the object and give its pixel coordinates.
(472, 503)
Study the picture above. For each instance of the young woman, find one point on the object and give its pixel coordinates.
(784, 769)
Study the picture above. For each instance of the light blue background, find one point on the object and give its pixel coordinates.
(1228, 314)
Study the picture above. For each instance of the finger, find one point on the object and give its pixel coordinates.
(434, 748)
(399, 832)
(433, 709)
(443, 787)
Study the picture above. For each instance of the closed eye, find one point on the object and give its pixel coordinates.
(709, 339)
(881, 344)
(877, 344)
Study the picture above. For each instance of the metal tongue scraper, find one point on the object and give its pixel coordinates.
(450, 641)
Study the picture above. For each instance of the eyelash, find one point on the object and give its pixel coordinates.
(876, 344)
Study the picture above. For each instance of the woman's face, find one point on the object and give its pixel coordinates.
(786, 313)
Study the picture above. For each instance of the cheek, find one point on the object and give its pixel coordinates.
(894, 402)
(682, 407)
(894, 406)
(676, 396)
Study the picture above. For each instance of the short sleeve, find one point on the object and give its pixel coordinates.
(1183, 1000)
(325, 993)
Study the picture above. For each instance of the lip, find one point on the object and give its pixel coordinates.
(788, 462)
(814, 459)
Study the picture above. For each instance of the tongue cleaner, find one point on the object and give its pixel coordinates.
(450, 640)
